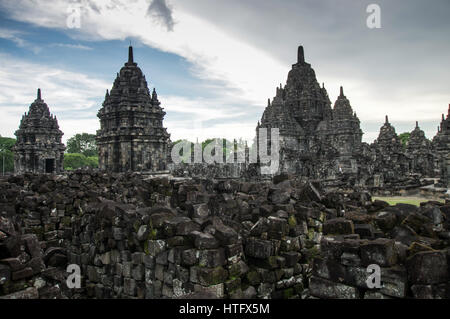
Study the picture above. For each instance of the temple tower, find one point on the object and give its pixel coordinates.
(131, 135)
(38, 147)
(346, 134)
(389, 159)
(441, 147)
(420, 153)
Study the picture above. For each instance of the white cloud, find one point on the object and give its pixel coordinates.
(248, 75)
(72, 46)
(16, 37)
(248, 70)
(206, 118)
(72, 97)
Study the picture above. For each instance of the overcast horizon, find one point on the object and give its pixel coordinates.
(214, 64)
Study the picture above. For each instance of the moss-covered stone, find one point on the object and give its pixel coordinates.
(233, 284)
(292, 221)
(211, 276)
(253, 277)
(288, 293)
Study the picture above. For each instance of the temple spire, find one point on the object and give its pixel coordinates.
(154, 95)
(387, 120)
(417, 124)
(39, 94)
(342, 92)
(300, 55)
(130, 54)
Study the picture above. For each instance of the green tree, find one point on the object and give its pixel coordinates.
(404, 138)
(92, 161)
(77, 160)
(83, 143)
(6, 154)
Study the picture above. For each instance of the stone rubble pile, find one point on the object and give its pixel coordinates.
(411, 245)
(164, 237)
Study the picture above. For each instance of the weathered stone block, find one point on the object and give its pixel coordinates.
(23, 273)
(328, 269)
(441, 291)
(209, 276)
(189, 257)
(349, 259)
(29, 293)
(394, 282)
(156, 246)
(129, 286)
(204, 240)
(338, 226)
(258, 248)
(212, 258)
(291, 258)
(380, 251)
(326, 289)
(226, 235)
(386, 220)
(200, 211)
(277, 227)
(138, 272)
(428, 268)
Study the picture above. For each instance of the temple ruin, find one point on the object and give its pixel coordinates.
(131, 135)
(38, 148)
(318, 140)
(325, 143)
(293, 235)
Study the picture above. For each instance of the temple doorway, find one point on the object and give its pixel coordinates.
(50, 165)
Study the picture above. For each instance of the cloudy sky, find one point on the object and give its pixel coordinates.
(215, 63)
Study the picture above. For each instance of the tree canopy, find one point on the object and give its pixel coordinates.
(83, 143)
(6, 146)
(77, 160)
(404, 138)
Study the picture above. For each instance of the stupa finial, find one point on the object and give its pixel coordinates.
(300, 55)
(130, 54)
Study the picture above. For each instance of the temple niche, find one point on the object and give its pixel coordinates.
(38, 147)
(131, 135)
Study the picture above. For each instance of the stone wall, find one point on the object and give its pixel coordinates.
(409, 244)
(137, 237)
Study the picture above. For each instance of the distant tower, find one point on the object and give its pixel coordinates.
(131, 135)
(38, 148)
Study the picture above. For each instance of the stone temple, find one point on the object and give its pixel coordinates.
(322, 142)
(316, 140)
(441, 148)
(131, 135)
(38, 148)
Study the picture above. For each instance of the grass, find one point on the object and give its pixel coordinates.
(405, 200)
